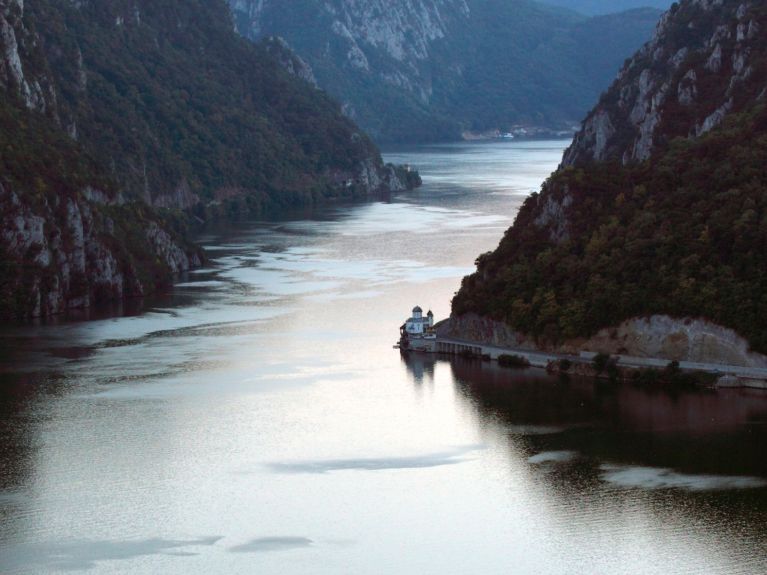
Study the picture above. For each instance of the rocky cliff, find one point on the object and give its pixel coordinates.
(698, 68)
(117, 114)
(184, 112)
(652, 236)
(77, 250)
(440, 67)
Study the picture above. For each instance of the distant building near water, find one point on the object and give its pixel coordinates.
(418, 325)
(417, 333)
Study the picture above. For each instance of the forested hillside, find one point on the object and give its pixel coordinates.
(662, 206)
(112, 106)
(432, 69)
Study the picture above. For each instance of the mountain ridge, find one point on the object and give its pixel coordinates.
(119, 115)
(429, 70)
(678, 231)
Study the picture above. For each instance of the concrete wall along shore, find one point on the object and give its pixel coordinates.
(732, 376)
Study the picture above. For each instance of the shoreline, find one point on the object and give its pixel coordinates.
(622, 367)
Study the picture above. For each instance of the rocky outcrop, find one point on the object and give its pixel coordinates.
(13, 79)
(65, 243)
(426, 61)
(663, 337)
(67, 253)
(291, 62)
(401, 34)
(472, 327)
(697, 69)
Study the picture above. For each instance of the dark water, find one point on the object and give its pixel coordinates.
(257, 419)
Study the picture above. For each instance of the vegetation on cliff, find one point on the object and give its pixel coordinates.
(428, 70)
(114, 114)
(683, 233)
(67, 238)
(177, 105)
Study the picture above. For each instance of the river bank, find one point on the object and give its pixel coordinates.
(255, 419)
(641, 348)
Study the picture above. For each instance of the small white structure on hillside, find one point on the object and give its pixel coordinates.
(418, 325)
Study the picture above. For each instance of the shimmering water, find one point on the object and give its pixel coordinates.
(257, 419)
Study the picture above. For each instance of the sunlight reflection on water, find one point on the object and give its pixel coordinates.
(257, 419)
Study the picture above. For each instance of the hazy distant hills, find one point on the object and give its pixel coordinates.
(417, 70)
(597, 7)
(659, 210)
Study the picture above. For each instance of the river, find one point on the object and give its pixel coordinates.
(257, 419)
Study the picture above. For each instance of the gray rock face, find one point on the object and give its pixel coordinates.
(289, 60)
(673, 339)
(631, 118)
(471, 327)
(401, 31)
(12, 75)
(448, 67)
(60, 246)
(552, 215)
(67, 258)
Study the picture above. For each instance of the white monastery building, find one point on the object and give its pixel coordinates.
(418, 325)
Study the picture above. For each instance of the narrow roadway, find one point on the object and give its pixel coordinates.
(541, 359)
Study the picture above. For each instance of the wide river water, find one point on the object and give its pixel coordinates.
(257, 420)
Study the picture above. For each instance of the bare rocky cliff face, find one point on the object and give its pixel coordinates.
(34, 92)
(72, 252)
(402, 32)
(696, 70)
(374, 56)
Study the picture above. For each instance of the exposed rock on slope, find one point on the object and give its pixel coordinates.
(430, 69)
(183, 111)
(660, 211)
(73, 253)
(699, 68)
(676, 340)
(109, 107)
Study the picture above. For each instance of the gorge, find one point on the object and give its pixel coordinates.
(432, 70)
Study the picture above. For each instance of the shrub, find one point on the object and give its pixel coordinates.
(600, 362)
(515, 361)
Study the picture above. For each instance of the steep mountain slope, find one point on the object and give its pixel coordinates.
(180, 107)
(430, 69)
(601, 7)
(660, 211)
(111, 106)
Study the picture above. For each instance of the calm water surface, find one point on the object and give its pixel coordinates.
(257, 420)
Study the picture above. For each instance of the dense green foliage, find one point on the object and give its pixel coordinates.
(46, 170)
(167, 96)
(683, 234)
(507, 62)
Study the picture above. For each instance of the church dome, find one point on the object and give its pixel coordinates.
(417, 309)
